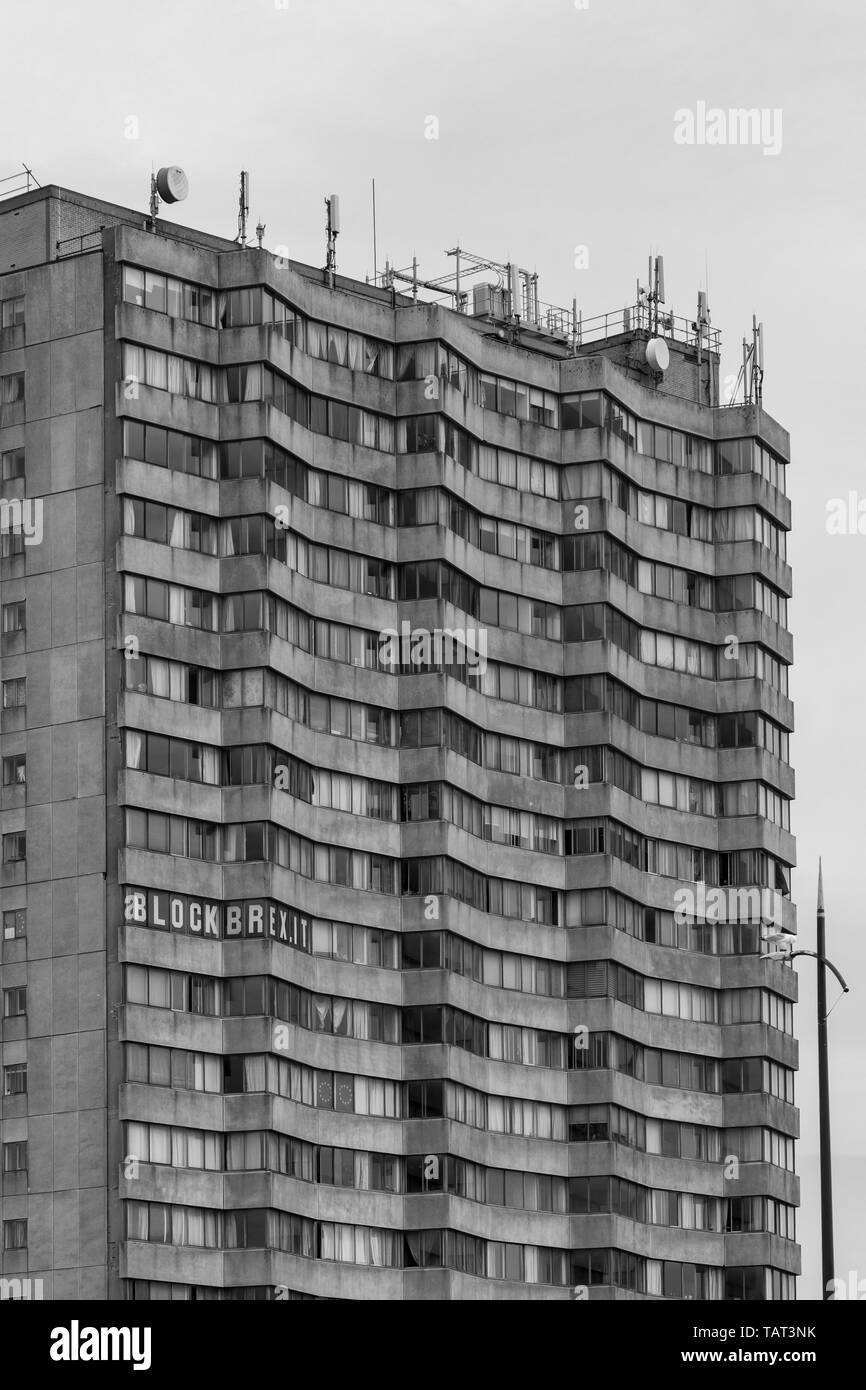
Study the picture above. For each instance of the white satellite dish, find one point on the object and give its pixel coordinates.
(657, 354)
(172, 184)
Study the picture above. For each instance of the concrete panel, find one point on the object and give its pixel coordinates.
(91, 1078)
(65, 1229)
(66, 1166)
(65, 1067)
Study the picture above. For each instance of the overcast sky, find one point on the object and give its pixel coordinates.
(555, 130)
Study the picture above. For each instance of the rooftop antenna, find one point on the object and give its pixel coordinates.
(657, 351)
(660, 288)
(171, 185)
(375, 263)
(515, 300)
(332, 208)
(649, 298)
(641, 301)
(243, 207)
(654, 294)
(752, 371)
(647, 307)
(260, 233)
(701, 321)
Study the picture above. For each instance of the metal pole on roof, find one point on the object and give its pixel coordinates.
(375, 267)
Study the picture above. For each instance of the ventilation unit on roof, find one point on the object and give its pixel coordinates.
(489, 301)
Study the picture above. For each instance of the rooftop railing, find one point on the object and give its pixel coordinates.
(21, 182)
(641, 317)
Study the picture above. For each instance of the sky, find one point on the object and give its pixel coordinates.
(554, 129)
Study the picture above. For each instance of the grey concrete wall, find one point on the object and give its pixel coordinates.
(62, 958)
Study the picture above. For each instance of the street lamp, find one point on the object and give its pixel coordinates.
(827, 1260)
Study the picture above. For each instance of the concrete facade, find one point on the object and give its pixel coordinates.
(61, 960)
(105, 589)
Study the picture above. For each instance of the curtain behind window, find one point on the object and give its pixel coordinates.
(177, 604)
(130, 587)
(317, 340)
(137, 1139)
(136, 1220)
(133, 369)
(210, 765)
(175, 375)
(327, 1240)
(129, 527)
(156, 371)
(254, 1074)
(252, 382)
(158, 676)
(160, 1144)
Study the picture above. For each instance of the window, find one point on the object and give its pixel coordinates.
(14, 847)
(14, 923)
(12, 312)
(12, 399)
(133, 285)
(154, 292)
(15, 1234)
(15, 693)
(583, 412)
(12, 464)
(15, 1079)
(14, 770)
(544, 407)
(12, 389)
(15, 1002)
(12, 542)
(14, 616)
(15, 1156)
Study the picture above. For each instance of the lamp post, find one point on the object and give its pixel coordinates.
(827, 1260)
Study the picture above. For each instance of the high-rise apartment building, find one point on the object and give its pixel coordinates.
(395, 788)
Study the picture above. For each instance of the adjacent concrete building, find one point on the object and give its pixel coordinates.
(395, 788)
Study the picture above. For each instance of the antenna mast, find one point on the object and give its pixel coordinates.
(758, 359)
(375, 262)
(332, 210)
(243, 207)
(752, 371)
